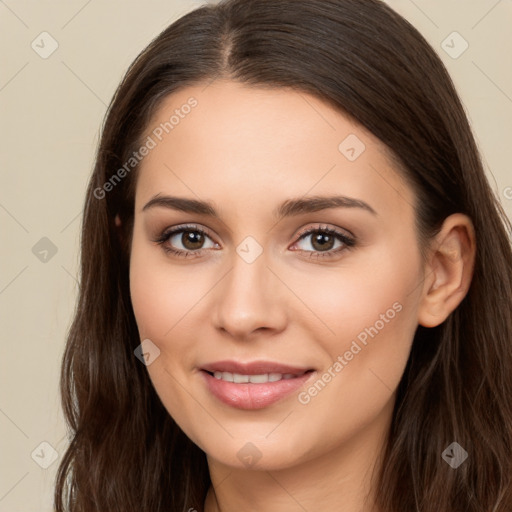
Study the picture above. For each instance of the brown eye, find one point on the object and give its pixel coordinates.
(322, 241)
(185, 241)
(325, 239)
(192, 240)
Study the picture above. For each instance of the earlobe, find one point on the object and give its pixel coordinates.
(448, 271)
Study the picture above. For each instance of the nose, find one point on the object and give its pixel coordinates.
(250, 300)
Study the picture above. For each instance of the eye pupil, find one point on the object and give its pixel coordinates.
(192, 239)
(323, 240)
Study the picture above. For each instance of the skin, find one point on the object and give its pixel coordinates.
(247, 150)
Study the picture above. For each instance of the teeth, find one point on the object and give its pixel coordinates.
(238, 378)
(258, 379)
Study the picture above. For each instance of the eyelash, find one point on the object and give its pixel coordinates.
(348, 242)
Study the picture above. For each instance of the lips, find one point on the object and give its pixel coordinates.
(253, 385)
(254, 368)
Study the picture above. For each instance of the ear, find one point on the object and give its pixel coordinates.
(117, 221)
(448, 270)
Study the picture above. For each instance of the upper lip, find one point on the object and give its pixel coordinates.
(253, 368)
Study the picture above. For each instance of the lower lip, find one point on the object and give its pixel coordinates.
(253, 396)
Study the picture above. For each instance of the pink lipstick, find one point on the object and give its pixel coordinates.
(253, 385)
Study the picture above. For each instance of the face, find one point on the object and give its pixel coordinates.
(271, 229)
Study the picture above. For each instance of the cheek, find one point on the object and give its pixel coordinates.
(368, 313)
(373, 289)
(365, 358)
(161, 294)
(161, 298)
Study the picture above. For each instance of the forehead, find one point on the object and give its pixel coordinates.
(234, 141)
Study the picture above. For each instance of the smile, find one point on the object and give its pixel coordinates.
(253, 385)
(239, 378)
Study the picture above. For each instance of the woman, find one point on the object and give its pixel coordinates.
(296, 289)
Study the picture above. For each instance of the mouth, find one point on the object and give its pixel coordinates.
(253, 368)
(262, 378)
(253, 385)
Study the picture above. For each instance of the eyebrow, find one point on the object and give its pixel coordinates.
(289, 208)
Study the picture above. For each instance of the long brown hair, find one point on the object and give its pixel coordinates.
(126, 453)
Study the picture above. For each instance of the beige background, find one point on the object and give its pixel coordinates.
(51, 112)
